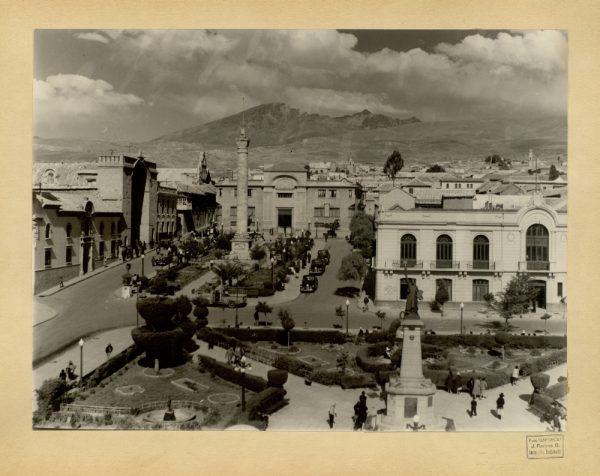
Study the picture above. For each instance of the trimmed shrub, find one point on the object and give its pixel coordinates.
(541, 364)
(358, 381)
(540, 381)
(266, 401)
(227, 372)
(366, 359)
(50, 395)
(111, 366)
(377, 337)
(277, 378)
(279, 335)
(488, 341)
(558, 390)
(326, 377)
(157, 312)
(293, 365)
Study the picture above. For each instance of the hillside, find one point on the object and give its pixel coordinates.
(279, 124)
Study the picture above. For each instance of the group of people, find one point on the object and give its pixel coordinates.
(129, 252)
(360, 411)
(68, 374)
(236, 356)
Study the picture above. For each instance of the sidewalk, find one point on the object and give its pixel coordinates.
(101, 269)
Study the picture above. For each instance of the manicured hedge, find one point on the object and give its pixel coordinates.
(266, 401)
(488, 341)
(277, 378)
(558, 390)
(326, 377)
(227, 372)
(218, 338)
(540, 364)
(111, 366)
(358, 381)
(279, 335)
(293, 365)
(368, 363)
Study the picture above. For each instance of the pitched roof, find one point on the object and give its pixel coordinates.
(74, 201)
(286, 167)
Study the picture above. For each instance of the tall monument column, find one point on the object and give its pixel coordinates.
(240, 244)
(410, 396)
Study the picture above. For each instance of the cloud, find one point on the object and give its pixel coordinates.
(92, 37)
(70, 100)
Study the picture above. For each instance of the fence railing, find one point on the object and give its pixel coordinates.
(408, 263)
(534, 265)
(481, 264)
(444, 264)
(145, 407)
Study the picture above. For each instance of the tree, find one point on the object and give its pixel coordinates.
(342, 361)
(333, 227)
(258, 252)
(228, 270)
(553, 173)
(362, 233)
(286, 322)
(502, 338)
(263, 307)
(183, 306)
(435, 168)
(393, 165)
(353, 267)
(545, 318)
(515, 298)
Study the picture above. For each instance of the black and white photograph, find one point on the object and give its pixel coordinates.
(300, 230)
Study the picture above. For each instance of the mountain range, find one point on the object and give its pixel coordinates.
(279, 133)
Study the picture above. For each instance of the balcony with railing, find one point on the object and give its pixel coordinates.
(444, 264)
(407, 263)
(535, 265)
(480, 265)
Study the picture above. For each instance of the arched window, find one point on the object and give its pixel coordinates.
(443, 252)
(408, 251)
(481, 252)
(49, 177)
(101, 228)
(536, 247)
(48, 231)
(69, 230)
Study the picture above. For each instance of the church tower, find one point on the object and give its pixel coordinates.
(203, 173)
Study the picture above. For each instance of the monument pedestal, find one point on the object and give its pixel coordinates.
(240, 247)
(126, 292)
(407, 398)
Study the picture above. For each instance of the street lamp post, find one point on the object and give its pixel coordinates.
(143, 256)
(309, 227)
(241, 368)
(272, 265)
(462, 307)
(347, 314)
(236, 307)
(80, 361)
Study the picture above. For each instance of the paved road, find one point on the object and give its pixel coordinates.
(85, 308)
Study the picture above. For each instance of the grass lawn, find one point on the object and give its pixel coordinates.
(161, 388)
(190, 273)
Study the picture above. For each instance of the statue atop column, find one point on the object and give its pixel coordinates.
(412, 300)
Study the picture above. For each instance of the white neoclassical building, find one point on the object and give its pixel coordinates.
(474, 251)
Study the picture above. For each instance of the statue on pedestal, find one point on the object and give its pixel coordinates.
(412, 300)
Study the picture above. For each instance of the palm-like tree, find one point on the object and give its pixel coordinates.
(227, 270)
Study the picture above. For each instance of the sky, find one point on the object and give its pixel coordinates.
(136, 85)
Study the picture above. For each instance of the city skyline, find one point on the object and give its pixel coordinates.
(140, 84)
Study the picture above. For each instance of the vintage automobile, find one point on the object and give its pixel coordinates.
(309, 284)
(317, 266)
(230, 297)
(324, 255)
(161, 260)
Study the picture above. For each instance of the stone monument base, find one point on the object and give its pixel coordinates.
(126, 292)
(407, 398)
(240, 248)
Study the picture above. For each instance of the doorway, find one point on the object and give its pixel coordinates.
(284, 219)
(540, 299)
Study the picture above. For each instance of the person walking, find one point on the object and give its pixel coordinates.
(484, 387)
(449, 380)
(62, 375)
(477, 388)
(229, 355)
(456, 383)
(500, 406)
(473, 407)
(332, 415)
(109, 349)
(515, 375)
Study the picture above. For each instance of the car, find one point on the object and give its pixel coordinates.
(324, 255)
(317, 266)
(309, 284)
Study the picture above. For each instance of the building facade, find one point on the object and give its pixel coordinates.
(284, 200)
(473, 252)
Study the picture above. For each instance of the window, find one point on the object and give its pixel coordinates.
(408, 250)
(49, 177)
(333, 193)
(350, 193)
(404, 288)
(69, 255)
(480, 289)
(536, 247)
(235, 192)
(560, 289)
(220, 192)
(233, 216)
(101, 249)
(101, 228)
(319, 212)
(48, 231)
(481, 252)
(447, 283)
(249, 192)
(285, 195)
(321, 194)
(447, 185)
(410, 190)
(334, 212)
(443, 252)
(69, 230)
(48, 257)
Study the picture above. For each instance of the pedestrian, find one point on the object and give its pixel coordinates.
(229, 355)
(456, 383)
(470, 384)
(500, 406)
(484, 386)
(366, 301)
(449, 380)
(515, 375)
(62, 374)
(108, 350)
(477, 388)
(473, 407)
(256, 318)
(71, 370)
(332, 415)
(363, 399)
(308, 256)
